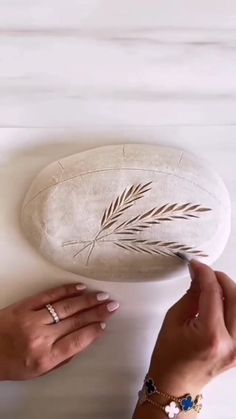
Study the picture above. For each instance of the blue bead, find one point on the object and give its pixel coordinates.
(187, 404)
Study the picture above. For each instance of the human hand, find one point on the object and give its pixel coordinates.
(32, 345)
(197, 340)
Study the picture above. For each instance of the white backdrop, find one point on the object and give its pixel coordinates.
(84, 73)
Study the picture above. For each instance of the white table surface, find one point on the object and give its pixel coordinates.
(81, 73)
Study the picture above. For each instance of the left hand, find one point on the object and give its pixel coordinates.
(31, 344)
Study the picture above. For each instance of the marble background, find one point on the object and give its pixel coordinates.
(78, 74)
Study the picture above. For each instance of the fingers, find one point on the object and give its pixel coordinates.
(186, 308)
(211, 312)
(98, 314)
(54, 294)
(68, 307)
(229, 292)
(76, 342)
(204, 298)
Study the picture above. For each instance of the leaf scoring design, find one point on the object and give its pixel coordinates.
(167, 212)
(157, 247)
(128, 228)
(122, 203)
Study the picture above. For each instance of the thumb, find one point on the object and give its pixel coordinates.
(211, 309)
(204, 298)
(188, 305)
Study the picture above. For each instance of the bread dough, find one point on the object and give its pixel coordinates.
(121, 213)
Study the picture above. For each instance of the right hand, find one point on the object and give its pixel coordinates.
(32, 345)
(197, 340)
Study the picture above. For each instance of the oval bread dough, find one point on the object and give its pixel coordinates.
(121, 213)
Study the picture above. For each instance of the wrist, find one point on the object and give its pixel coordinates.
(175, 385)
(171, 400)
(167, 398)
(170, 403)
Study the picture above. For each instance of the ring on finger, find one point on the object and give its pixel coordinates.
(53, 313)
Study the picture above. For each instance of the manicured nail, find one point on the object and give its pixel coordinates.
(186, 258)
(114, 305)
(102, 296)
(191, 266)
(103, 326)
(191, 271)
(80, 287)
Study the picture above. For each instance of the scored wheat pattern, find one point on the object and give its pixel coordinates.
(141, 222)
(157, 247)
(123, 203)
(157, 215)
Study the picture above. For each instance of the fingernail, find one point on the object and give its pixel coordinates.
(192, 265)
(80, 287)
(103, 326)
(191, 271)
(102, 296)
(114, 305)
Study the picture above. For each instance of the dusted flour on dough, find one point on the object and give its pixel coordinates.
(121, 213)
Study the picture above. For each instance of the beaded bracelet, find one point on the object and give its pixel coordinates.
(175, 405)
